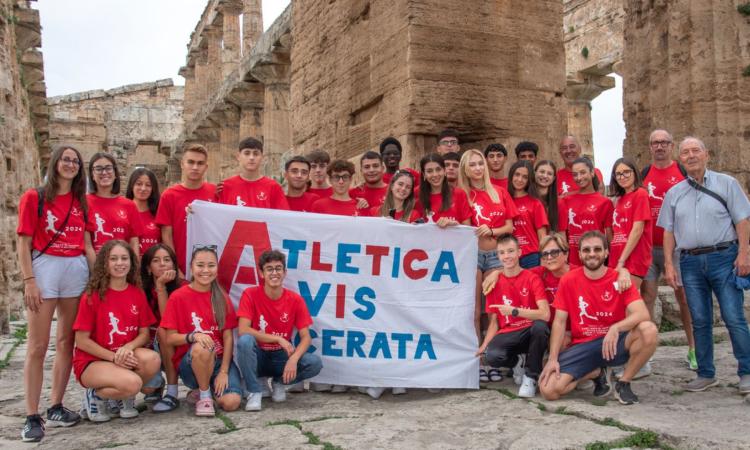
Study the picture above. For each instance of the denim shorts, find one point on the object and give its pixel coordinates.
(580, 359)
(488, 260)
(60, 276)
(234, 385)
(656, 269)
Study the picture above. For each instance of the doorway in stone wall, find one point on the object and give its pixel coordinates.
(608, 127)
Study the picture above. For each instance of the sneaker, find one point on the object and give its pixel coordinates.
(483, 375)
(375, 392)
(319, 387)
(113, 407)
(643, 372)
(691, 360)
(624, 394)
(339, 388)
(528, 387)
(278, 394)
(205, 408)
(266, 390)
(602, 383)
(744, 384)
(297, 388)
(60, 416)
(96, 407)
(127, 408)
(253, 401)
(700, 384)
(193, 396)
(33, 429)
(494, 375)
(518, 371)
(398, 391)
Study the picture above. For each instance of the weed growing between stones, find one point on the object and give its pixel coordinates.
(641, 439)
(667, 326)
(676, 392)
(229, 425)
(312, 438)
(599, 401)
(744, 9)
(20, 336)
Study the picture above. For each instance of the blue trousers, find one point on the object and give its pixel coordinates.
(256, 363)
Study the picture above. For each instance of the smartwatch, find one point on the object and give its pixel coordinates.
(514, 313)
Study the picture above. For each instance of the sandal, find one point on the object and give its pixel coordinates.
(166, 404)
(494, 375)
(483, 377)
(154, 396)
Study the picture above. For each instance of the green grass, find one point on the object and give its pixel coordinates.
(676, 392)
(541, 407)
(562, 410)
(229, 425)
(666, 326)
(506, 393)
(744, 9)
(20, 337)
(599, 401)
(312, 438)
(672, 343)
(641, 439)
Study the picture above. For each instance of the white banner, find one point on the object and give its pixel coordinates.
(392, 303)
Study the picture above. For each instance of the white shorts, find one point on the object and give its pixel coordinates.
(60, 276)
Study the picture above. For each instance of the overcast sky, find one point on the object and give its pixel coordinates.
(102, 44)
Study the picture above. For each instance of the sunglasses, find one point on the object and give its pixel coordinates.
(551, 254)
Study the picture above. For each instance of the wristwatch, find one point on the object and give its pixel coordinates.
(514, 312)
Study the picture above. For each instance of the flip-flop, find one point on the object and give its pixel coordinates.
(494, 375)
(483, 377)
(170, 404)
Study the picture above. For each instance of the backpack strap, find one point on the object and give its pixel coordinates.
(40, 201)
(709, 192)
(57, 233)
(644, 172)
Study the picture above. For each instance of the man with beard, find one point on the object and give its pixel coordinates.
(608, 328)
(570, 150)
(373, 190)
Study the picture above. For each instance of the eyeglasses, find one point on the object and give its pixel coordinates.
(204, 248)
(568, 147)
(275, 269)
(70, 161)
(624, 174)
(551, 254)
(104, 169)
(448, 142)
(343, 178)
(660, 143)
(587, 250)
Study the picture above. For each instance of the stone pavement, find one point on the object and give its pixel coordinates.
(492, 417)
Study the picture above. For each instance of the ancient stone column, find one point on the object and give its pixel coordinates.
(579, 92)
(229, 136)
(252, 24)
(683, 71)
(189, 100)
(277, 130)
(231, 40)
(200, 88)
(213, 36)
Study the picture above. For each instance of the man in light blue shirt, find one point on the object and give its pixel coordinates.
(712, 240)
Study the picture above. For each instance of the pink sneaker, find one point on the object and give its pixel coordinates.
(205, 408)
(193, 396)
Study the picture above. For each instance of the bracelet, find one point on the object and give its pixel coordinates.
(29, 278)
(190, 337)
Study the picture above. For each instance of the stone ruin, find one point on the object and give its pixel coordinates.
(343, 75)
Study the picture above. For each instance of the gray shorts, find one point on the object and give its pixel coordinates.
(60, 276)
(657, 265)
(488, 260)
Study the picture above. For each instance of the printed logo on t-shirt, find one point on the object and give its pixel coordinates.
(478, 213)
(615, 222)
(607, 295)
(134, 310)
(571, 219)
(197, 321)
(51, 220)
(628, 205)
(507, 302)
(240, 202)
(114, 323)
(524, 292)
(582, 311)
(652, 191)
(284, 317)
(565, 188)
(122, 214)
(75, 211)
(151, 226)
(262, 196)
(673, 180)
(100, 227)
(591, 208)
(522, 209)
(262, 324)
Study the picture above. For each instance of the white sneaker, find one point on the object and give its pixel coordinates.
(644, 371)
(127, 408)
(398, 391)
(375, 392)
(519, 372)
(96, 407)
(339, 388)
(319, 387)
(296, 388)
(253, 401)
(528, 387)
(113, 407)
(264, 386)
(279, 392)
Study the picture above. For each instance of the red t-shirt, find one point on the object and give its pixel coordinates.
(261, 193)
(151, 231)
(387, 177)
(113, 322)
(172, 213)
(632, 207)
(374, 196)
(302, 203)
(459, 209)
(579, 213)
(522, 292)
(413, 217)
(566, 184)
(500, 182)
(189, 310)
(329, 205)
(592, 305)
(531, 217)
(321, 192)
(43, 229)
(277, 317)
(486, 212)
(657, 183)
(112, 218)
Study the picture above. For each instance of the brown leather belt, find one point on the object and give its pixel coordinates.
(710, 249)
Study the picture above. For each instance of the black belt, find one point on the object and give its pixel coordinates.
(710, 249)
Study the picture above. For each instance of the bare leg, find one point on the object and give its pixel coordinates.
(38, 341)
(203, 366)
(67, 308)
(556, 388)
(166, 351)
(111, 381)
(149, 365)
(641, 343)
(649, 290)
(478, 308)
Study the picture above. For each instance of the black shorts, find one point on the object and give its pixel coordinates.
(581, 359)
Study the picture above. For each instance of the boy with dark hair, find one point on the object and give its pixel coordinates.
(496, 155)
(268, 315)
(340, 172)
(373, 190)
(452, 161)
(250, 187)
(448, 142)
(297, 175)
(526, 150)
(319, 185)
(391, 152)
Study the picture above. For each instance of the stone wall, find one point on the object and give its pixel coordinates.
(21, 87)
(137, 123)
(363, 70)
(683, 71)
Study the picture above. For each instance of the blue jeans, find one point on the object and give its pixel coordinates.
(702, 274)
(185, 370)
(530, 260)
(256, 363)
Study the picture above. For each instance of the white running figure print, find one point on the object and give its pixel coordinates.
(478, 212)
(652, 191)
(51, 220)
(571, 219)
(582, 305)
(507, 302)
(614, 220)
(262, 324)
(100, 226)
(240, 202)
(114, 323)
(197, 320)
(565, 188)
